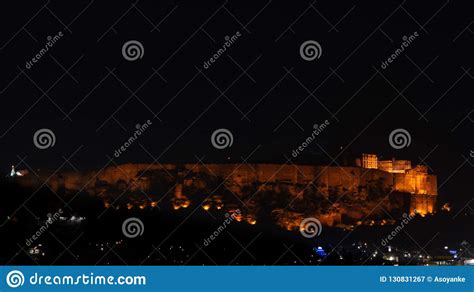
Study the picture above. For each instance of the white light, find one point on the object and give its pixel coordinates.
(469, 262)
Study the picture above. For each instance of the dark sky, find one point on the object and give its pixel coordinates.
(91, 97)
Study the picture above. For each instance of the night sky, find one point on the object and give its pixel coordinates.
(260, 89)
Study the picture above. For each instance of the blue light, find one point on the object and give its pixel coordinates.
(320, 251)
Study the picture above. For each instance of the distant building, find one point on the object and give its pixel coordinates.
(409, 179)
(393, 166)
(369, 161)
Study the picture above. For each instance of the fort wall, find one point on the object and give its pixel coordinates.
(421, 185)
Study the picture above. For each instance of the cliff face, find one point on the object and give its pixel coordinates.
(329, 193)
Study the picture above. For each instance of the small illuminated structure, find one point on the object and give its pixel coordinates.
(369, 161)
(180, 200)
(446, 207)
(251, 220)
(14, 173)
(394, 166)
(320, 251)
(179, 203)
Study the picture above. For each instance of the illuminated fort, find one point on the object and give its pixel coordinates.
(243, 181)
(413, 180)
